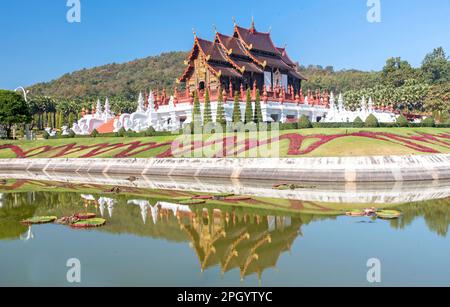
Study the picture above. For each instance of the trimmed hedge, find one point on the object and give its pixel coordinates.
(428, 122)
(358, 123)
(372, 122)
(402, 121)
(304, 123)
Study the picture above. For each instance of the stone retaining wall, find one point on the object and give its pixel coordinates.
(333, 169)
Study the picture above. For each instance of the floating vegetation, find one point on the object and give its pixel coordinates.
(388, 214)
(85, 216)
(67, 220)
(291, 186)
(203, 197)
(222, 196)
(90, 223)
(40, 220)
(191, 202)
(356, 213)
(237, 198)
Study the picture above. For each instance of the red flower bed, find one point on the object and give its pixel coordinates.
(229, 146)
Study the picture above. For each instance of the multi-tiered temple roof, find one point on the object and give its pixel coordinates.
(246, 58)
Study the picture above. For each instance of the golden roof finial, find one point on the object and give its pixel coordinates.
(253, 21)
(194, 32)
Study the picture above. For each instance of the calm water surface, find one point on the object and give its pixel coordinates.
(149, 240)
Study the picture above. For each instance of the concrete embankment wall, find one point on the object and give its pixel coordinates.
(333, 169)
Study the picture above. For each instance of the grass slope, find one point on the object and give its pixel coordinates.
(294, 143)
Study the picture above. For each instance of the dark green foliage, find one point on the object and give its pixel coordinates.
(117, 80)
(122, 132)
(436, 67)
(45, 135)
(207, 118)
(13, 111)
(220, 118)
(358, 123)
(304, 122)
(402, 121)
(428, 122)
(396, 72)
(236, 109)
(150, 132)
(95, 133)
(372, 122)
(248, 108)
(197, 113)
(258, 118)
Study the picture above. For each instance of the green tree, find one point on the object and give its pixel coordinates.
(436, 67)
(71, 120)
(258, 118)
(49, 120)
(304, 122)
(428, 122)
(237, 109)
(197, 113)
(220, 117)
(402, 121)
(438, 99)
(207, 118)
(396, 72)
(248, 108)
(372, 122)
(13, 111)
(358, 123)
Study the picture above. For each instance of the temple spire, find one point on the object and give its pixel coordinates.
(252, 27)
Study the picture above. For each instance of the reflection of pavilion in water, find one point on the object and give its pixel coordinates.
(231, 239)
(249, 242)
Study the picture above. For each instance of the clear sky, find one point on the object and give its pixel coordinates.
(38, 44)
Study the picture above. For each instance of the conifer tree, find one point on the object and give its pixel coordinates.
(196, 114)
(258, 118)
(237, 109)
(71, 120)
(248, 108)
(220, 117)
(207, 118)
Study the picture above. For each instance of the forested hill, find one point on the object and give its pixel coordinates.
(127, 79)
(116, 80)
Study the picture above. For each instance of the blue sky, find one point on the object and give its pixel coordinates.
(38, 44)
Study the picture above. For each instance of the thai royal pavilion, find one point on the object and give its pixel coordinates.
(230, 65)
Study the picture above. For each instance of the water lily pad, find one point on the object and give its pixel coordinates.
(90, 223)
(388, 214)
(192, 202)
(203, 197)
(356, 213)
(85, 216)
(222, 196)
(40, 220)
(237, 198)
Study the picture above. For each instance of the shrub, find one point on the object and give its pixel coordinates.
(122, 132)
(402, 121)
(150, 132)
(304, 123)
(372, 122)
(95, 133)
(71, 134)
(428, 122)
(45, 135)
(358, 123)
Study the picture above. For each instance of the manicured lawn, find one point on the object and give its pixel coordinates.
(292, 143)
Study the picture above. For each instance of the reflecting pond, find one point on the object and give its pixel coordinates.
(265, 237)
